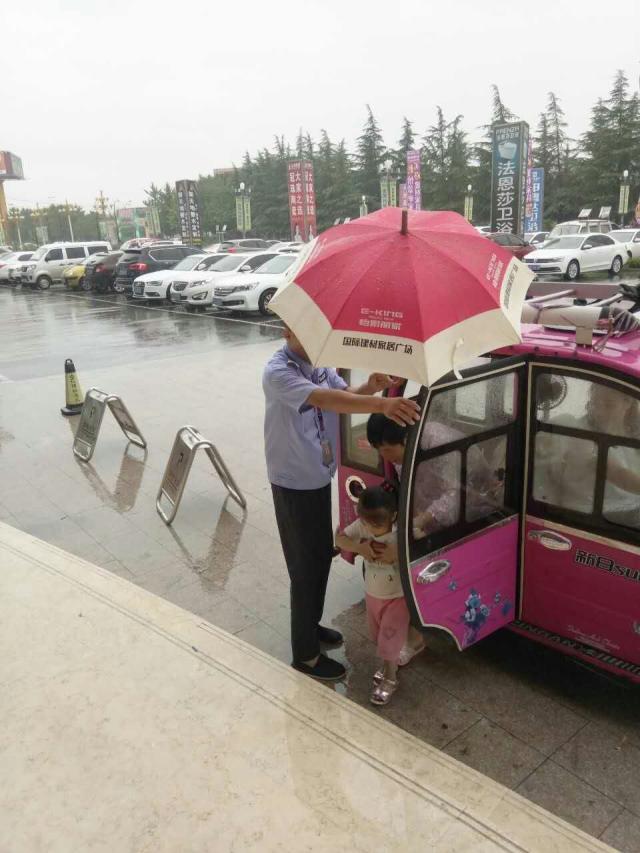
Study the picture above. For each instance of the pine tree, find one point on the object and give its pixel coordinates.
(370, 154)
(446, 164)
(611, 145)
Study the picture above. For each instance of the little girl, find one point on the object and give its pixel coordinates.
(373, 536)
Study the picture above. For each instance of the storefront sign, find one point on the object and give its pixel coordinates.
(10, 166)
(414, 182)
(188, 213)
(302, 200)
(508, 177)
(533, 220)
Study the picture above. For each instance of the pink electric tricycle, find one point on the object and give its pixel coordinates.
(539, 450)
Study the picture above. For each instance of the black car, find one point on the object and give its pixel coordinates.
(135, 262)
(100, 271)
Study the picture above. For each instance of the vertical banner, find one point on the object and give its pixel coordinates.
(533, 219)
(509, 177)
(240, 214)
(468, 207)
(388, 191)
(384, 192)
(414, 183)
(403, 196)
(302, 200)
(42, 234)
(188, 213)
(309, 200)
(529, 187)
(247, 213)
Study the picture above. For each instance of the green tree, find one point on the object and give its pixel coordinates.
(611, 145)
(446, 164)
(370, 154)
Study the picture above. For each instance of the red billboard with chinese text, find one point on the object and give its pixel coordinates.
(302, 200)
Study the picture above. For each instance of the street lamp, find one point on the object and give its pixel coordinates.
(243, 208)
(623, 199)
(363, 206)
(468, 203)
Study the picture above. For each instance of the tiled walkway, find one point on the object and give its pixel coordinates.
(562, 736)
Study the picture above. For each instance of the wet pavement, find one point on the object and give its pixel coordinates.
(559, 734)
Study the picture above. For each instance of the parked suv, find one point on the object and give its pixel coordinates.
(49, 262)
(100, 271)
(135, 262)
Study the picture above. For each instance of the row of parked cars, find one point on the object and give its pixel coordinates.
(573, 248)
(242, 275)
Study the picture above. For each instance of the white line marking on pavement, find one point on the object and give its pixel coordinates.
(270, 324)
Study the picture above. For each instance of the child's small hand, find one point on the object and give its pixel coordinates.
(385, 553)
(366, 550)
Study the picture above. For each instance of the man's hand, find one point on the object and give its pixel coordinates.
(402, 411)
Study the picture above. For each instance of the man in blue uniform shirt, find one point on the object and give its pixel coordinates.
(301, 430)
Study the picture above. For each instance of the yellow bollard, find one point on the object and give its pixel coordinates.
(73, 393)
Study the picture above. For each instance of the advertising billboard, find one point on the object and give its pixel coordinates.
(509, 177)
(302, 200)
(189, 213)
(413, 186)
(535, 207)
(10, 167)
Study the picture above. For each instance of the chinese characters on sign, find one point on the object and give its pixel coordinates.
(413, 186)
(188, 213)
(508, 177)
(529, 190)
(388, 191)
(372, 343)
(533, 220)
(302, 200)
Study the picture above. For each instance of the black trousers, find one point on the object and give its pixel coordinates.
(304, 523)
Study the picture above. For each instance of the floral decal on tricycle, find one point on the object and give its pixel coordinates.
(476, 614)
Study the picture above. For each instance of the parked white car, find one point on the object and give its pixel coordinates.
(10, 263)
(195, 289)
(571, 256)
(253, 292)
(630, 237)
(155, 286)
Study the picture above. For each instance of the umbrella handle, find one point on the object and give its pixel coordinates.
(404, 227)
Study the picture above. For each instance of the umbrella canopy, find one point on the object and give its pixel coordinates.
(411, 293)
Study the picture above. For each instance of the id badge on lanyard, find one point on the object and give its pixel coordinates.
(325, 442)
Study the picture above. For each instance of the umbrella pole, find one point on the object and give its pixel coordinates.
(404, 227)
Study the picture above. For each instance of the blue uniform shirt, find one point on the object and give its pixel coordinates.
(293, 429)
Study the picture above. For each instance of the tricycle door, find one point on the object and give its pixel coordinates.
(460, 503)
(581, 566)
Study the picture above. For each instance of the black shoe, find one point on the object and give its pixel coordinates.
(329, 637)
(325, 669)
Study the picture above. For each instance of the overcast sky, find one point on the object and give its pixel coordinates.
(114, 94)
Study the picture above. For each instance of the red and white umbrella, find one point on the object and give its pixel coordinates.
(410, 293)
